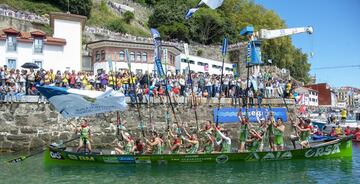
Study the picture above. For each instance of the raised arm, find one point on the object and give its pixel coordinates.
(223, 136)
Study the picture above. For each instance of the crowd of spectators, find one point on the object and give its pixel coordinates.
(4, 11)
(16, 83)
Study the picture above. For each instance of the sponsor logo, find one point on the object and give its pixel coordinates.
(86, 158)
(277, 156)
(55, 155)
(126, 159)
(142, 160)
(322, 151)
(222, 159)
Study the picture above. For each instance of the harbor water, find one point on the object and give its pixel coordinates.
(33, 170)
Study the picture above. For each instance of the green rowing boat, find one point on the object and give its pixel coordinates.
(339, 148)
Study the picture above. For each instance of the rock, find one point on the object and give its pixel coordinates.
(107, 139)
(2, 138)
(64, 136)
(28, 130)
(14, 131)
(17, 137)
(21, 120)
(16, 146)
(36, 143)
(8, 117)
(53, 115)
(46, 137)
(6, 145)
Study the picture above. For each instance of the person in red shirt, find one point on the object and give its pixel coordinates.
(347, 131)
(138, 147)
(333, 132)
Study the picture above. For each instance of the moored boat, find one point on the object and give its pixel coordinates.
(339, 148)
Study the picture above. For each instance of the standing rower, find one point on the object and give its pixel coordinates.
(279, 135)
(226, 141)
(85, 136)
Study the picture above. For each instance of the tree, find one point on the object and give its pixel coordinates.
(116, 25)
(128, 17)
(80, 7)
(207, 26)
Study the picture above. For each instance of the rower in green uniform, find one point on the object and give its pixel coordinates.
(130, 143)
(305, 131)
(193, 140)
(175, 145)
(244, 131)
(85, 136)
(279, 129)
(157, 144)
(226, 141)
(209, 144)
(254, 141)
(270, 131)
(262, 130)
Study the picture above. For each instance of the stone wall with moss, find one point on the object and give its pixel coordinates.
(29, 126)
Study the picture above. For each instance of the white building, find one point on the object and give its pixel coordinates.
(60, 52)
(110, 55)
(201, 65)
(307, 96)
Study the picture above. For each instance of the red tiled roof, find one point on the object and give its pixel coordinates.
(55, 41)
(28, 36)
(37, 33)
(10, 30)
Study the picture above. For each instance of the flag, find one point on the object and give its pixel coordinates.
(213, 4)
(248, 55)
(224, 47)
(190, 13)
(128, 59)
(79, 103)
(157, 43)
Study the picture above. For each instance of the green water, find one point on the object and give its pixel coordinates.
(33, 170)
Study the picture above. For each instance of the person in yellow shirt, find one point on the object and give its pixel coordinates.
(125, 82)
(343, 115)
(339, 131)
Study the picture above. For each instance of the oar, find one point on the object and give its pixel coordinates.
(19, 159)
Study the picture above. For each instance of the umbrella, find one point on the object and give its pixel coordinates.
(30, 66)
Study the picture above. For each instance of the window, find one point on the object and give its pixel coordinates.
(228, 69)
(144, 57)
(102, 55)
(38, 45)
(132, 56)
(216, 66)
(11, 63)
(138, 56)
(39, 63)
(192, 62)
(183, 60)
(11, 43)
(97, 57)
(201, 63)
(122, 56)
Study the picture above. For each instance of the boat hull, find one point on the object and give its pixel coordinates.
(341, 148)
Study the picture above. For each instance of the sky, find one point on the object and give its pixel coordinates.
(336, 38)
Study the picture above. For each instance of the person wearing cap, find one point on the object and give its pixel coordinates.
(85, 136)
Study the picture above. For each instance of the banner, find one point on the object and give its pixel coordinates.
(230, 115)
(110, 64)
(79, 103)
(186, 50)
(128, 59)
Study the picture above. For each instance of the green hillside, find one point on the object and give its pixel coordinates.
(207, 26)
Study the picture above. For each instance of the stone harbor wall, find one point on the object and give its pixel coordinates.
(29, 126)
